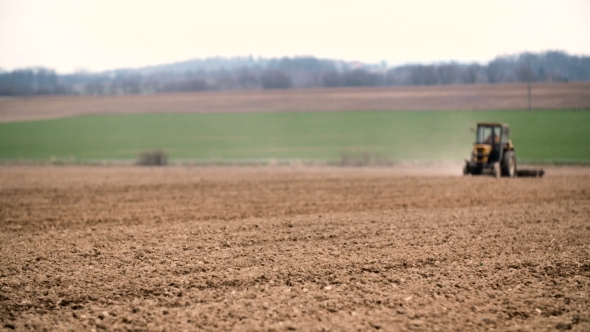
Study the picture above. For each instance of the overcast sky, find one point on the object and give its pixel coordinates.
(70, 35)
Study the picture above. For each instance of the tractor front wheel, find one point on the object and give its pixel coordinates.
(497, 170)
(509, 164)
(466, 169)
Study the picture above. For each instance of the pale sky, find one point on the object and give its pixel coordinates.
(69, 35)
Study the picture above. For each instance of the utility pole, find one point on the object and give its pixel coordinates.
(529, 94)
(529, 77)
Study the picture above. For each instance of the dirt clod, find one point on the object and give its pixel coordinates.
(563, 326)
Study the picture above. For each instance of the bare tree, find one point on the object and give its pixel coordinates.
(524, 73)
(422, 75)
(447, 73)
(361, 77)
(332, 79)
(494, 72)
(248, 79)
(275, 79)
(470, 74)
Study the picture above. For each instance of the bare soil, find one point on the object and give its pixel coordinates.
(450, 97)
(172, 249)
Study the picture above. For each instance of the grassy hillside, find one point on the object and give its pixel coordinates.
(538, 136)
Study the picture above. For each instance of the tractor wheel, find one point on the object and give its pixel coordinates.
(509, 164)
(477, 170)
(497, 170)
(466, 169)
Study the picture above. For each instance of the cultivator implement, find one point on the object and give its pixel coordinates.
(530, 173)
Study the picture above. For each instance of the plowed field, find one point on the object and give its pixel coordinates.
(311, 249)
(508, 96)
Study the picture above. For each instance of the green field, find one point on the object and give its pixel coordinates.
(539, 136)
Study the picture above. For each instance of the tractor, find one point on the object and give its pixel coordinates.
(493, 153)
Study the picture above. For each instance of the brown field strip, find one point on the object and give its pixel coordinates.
(451, 97)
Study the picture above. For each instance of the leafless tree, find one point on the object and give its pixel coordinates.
(494, 72)
(447, 73)
(275, 79)
(470, 74)
(524, 73)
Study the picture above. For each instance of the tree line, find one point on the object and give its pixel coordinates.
(248, 73)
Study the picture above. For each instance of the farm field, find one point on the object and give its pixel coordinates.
(539, 136)
(554, 96)
(283, 248)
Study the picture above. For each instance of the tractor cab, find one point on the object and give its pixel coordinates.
(490, 150)
(490, 141)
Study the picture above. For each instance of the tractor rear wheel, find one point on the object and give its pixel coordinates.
(509, 164)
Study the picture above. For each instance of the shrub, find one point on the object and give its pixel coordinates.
(153, 158)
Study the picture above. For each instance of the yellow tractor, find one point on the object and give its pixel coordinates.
(493, 153)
